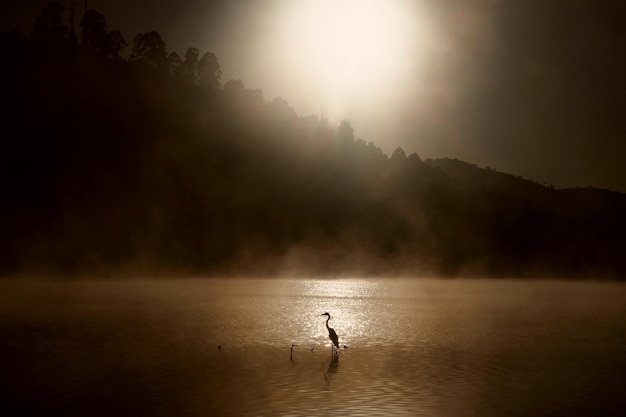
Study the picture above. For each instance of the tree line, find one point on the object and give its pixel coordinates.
(149, 164)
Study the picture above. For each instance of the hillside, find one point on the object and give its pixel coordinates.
(147, 166)
(471, 175)
(572, 202)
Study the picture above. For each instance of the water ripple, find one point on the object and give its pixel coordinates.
(414, 348)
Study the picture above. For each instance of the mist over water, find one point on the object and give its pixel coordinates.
(222, 347)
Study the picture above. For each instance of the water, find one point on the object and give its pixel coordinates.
(222, 347)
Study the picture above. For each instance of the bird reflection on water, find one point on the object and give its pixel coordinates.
(333, 367)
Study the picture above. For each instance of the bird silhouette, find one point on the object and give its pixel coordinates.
(332, 334)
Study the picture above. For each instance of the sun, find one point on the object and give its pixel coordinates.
(348, 51)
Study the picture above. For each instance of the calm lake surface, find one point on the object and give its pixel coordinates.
(222, 348)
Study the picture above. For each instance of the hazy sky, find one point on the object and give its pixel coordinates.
(534, 88)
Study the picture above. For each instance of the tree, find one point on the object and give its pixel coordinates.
(209, 72)
(190, 65)
(282, 110)
(49, 25)
(236, 92)
(234, 88)
(345, 133)
(72, 39)
(398, 154)
(175, 65)
(149, 49)
(95, 35)
(97, 38)
(116, 44)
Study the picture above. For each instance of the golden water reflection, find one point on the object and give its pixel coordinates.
(224, 347)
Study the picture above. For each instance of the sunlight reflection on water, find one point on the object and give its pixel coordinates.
(221, 347)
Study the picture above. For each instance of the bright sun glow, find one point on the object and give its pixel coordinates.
(348, 51)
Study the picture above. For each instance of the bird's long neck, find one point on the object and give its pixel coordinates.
(327, 322)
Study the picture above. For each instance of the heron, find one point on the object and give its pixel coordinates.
(332, 334)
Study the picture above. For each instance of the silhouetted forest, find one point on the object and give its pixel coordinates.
(119, 157)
